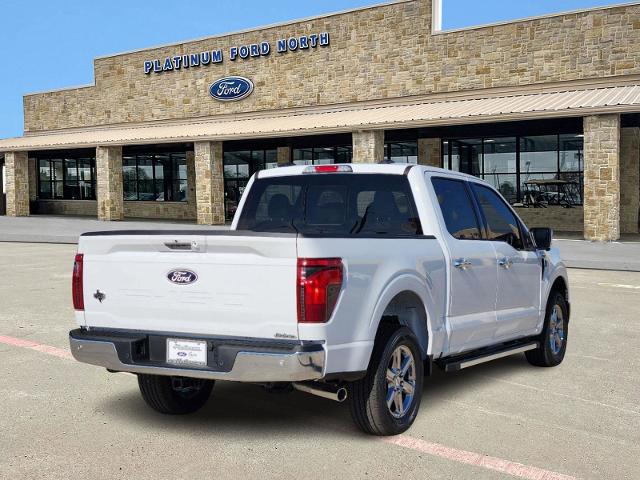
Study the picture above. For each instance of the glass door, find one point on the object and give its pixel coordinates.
(239, 166)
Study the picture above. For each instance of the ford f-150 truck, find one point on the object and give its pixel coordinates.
(345, 281)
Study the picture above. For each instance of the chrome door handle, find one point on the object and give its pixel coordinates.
(505, 262)
(462, 264)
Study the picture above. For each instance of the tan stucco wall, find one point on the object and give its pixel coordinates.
(375, 53)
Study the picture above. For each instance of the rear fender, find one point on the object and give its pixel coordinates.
(409, 282)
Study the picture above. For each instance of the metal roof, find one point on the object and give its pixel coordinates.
(575, 102)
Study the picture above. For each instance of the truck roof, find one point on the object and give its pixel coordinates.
(379, 168)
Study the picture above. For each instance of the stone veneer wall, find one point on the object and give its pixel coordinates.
(160, 210)
(430, 152)
(67, 207)
(558, 218)
(602, 177)
(376, 53)
(283, 155)
(629, 179)
(368, 146)
(209, 183)
(17, 173)
(109, 183)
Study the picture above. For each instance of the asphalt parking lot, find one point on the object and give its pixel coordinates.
(62, 419)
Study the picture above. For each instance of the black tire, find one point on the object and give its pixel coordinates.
(368, 403)
(174, 395)
(547, 355)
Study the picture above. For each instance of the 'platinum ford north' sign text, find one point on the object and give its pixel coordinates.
(244, 52)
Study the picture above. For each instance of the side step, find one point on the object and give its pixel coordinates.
(476, 357)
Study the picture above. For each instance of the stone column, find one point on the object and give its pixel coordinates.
(430, 152)
(368, 146)
(16, 166)
(602, 177)
(209, 183)
(284, 156)
(109, 182)
(629, 179)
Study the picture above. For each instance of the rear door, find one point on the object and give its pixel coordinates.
(225, 284)
(519, 267)
(472, 270)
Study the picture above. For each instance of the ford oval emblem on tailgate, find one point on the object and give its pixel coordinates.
(182, 277)
(229, 89)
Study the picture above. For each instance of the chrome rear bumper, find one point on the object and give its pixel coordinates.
(249, 366)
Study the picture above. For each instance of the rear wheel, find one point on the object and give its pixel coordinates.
(174, 395)
(553, 340)
(387, 399)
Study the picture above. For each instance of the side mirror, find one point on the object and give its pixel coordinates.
(543, 237)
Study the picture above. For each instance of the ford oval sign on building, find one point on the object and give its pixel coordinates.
(231, 89)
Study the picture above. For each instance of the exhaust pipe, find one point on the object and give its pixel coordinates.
(337, 394)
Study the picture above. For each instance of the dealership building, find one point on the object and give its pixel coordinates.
(546, 109)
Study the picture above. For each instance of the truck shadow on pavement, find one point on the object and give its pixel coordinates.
(246, 410)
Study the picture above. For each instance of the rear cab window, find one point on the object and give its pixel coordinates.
(337, 204)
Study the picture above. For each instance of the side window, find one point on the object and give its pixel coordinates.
(502, 224)
(457, 209)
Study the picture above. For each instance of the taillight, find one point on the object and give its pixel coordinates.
(76, 287)
(319, 284)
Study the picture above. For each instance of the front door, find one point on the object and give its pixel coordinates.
(472, 271)
(519, 267)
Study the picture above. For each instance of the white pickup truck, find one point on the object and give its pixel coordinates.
(345, 281)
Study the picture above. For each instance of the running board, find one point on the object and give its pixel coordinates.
(453, 364)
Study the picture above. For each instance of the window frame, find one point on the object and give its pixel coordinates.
(63, 160)
(446, 160)
(485, 224)
(474, 207)
(314, 150)
(155, 164)
(238, 184)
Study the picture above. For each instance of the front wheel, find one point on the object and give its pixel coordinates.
(174, 395)
(553, 340)
(386, 401)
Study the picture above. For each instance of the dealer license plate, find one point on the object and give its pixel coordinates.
(187, 352)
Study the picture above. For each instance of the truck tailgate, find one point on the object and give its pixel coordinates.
(244, 286)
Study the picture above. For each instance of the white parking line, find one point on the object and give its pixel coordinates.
(476, 459)
(619, 285)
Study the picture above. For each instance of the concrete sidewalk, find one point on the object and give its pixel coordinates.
(624, 255)
(65, 229)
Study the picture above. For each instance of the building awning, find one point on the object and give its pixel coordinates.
(441, 112)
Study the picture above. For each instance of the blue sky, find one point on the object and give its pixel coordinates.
(49, 44)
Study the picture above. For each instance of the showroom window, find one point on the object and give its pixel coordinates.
(160, 177)
(401, 152)
(66, 178)
(322, 155)
(530, 171)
